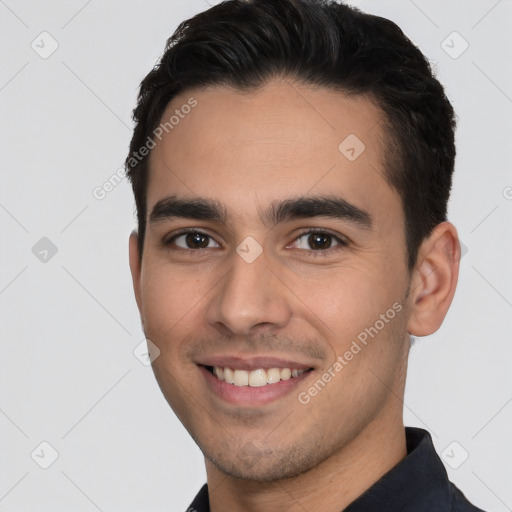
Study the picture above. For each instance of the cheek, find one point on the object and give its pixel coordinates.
(172, 301)
(173, 307)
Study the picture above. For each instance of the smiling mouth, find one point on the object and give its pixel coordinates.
(254, 378)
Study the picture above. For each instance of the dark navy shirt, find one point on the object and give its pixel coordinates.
(418, 483)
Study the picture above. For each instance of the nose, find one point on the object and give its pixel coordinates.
(251, 299)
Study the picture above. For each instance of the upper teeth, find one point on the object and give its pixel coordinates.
(254, 378)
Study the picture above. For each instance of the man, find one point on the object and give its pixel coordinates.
(291, 165)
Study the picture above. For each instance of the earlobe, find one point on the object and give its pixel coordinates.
(434, 280)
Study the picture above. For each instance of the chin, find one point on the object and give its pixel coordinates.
(263, 466)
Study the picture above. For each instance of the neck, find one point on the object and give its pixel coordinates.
(331, 486)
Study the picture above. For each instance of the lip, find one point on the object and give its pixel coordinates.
(252, 396)
(253, 363)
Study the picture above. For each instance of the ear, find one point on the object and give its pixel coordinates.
(434, 280)
(135, 268)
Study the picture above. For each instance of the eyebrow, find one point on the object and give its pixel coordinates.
(207, 209)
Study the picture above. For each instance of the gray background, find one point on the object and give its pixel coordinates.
(69, 324)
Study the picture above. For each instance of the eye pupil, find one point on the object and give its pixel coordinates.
(197, 240)
(322, 241)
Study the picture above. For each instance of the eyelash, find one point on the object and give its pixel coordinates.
(342, 243)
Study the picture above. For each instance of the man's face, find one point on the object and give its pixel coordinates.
(282, 298)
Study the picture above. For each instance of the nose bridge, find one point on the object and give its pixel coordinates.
(250, 295)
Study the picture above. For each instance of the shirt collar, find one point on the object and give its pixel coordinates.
(418, 483)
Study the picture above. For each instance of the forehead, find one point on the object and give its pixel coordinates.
(281, 139)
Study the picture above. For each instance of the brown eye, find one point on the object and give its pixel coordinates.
(317, 242)
(196, 241)
(192, 240)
